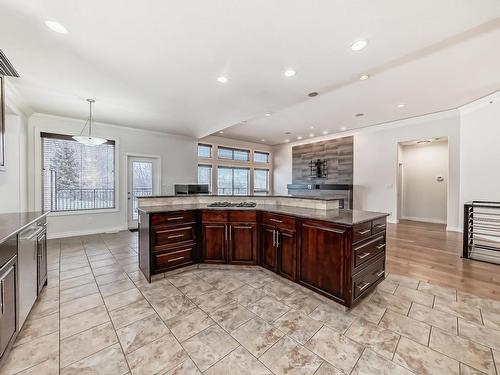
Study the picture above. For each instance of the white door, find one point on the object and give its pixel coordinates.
(142, 181)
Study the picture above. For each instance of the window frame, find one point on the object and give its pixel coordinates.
(210, 185)
(205, 145)
(233, 149)
(267, 153)
(268, 180)
(232, 168)
(116, 192)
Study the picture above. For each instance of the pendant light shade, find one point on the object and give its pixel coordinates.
(88, 140)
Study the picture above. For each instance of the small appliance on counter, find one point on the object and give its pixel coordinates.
(191, 189)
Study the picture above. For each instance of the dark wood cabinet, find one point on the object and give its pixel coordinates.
(242, 244)
(322, 263)
(287, 253)
(214, 242)
(41, 252)
(7, 303)
(268, 247)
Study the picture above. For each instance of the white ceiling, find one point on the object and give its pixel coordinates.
(154, 64)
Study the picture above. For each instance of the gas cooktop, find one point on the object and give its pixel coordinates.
(229, 204)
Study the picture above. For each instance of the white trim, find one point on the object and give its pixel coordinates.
(423, 219)
(478, 103)
(453, 229)
(85, 232)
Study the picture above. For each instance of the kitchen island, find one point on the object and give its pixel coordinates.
(335, 252)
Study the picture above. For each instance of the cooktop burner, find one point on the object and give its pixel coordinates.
(229, 204)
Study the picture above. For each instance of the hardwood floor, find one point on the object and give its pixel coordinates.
(427, 252)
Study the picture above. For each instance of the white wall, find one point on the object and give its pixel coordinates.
(480, 151)
(375, 161)
(178, 164)
(423, 196)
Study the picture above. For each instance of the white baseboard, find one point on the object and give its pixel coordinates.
(393, 221)
(84, 232)
(453, 229)
(423, 219)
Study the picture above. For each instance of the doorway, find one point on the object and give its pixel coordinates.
(143, 179)
(423, 180)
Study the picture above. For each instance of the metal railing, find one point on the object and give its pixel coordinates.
(81, 199)
(481, 239)
(139, 192)
(232, 191)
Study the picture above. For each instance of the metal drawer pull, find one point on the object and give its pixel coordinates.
(379, 226)
(176, 236)
(380, 246)
(277, 239)
(175, 218)
(365, 231)
(380, 273)
(364, 286)
(364, 255)
(276, 220)
(173, 260)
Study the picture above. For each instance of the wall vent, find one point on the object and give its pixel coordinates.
(6, 68)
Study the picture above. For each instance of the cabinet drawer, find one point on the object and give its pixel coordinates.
(366, 250)
(215, 216)
(173, 235)
(172, 218)
(379, 225)
(280, 221)
(173, 258)
(369, 276)
(361, 231)
(243, 216)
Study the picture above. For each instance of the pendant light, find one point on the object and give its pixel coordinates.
(89, 140)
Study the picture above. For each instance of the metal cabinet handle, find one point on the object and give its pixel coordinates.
(225, 232)
(175, 218)
(277, 239)
(365, 285)
(230, 235)
(380, 246)
(380, 273)
(379, 226)
(176, 236)
(173, 260)
(364, 231)
(363, 256)
(276, 220)
(274, 238)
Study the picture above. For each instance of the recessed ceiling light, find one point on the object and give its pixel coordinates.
(262, 140)
(311, 127)
(268, 114)
(56, 26)
(290, 73)
(401, 105)
(299, 137)
(288, 133)
(221, 132)
(287, 140)
(325, 131)
(311, 134)
(312, 94)
(359, 114)
(222, 79)
(423, 141)
(359, 45)
(364, 77)
(343, 128)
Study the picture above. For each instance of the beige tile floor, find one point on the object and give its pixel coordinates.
(99, 316)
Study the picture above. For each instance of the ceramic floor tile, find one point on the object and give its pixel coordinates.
(131, 313)
(32, 353)
(246, 295)
(187, 325)
(496, 357)
(403, 280)
(298, 326)
(443, 293)
(257, 336)
(335, 348)
(74, 273)
(141, 332)
(458, 309)
(196, 288)
(491, 319)
(121, 299)
(183, 279)
(77, 292)
(288, 357)
(268, 308)
(369, 311)
(446, 322)
(109, 361)
(413, 329)
(173, 306)
(301, 301)
(463, 350)
(380, 340)
(48, 367)
(423, 360)
(239, 361)
(372, 364)
(231, 316)
(159, 290)
(278, 289)
(328, 369)
(388, 286)
(333, 315)
(34, 328)
(116, 287)
(478, 302)
(391, 302)
(76, 281)
(414, 295)
(209, 346)
(83, 344)
(81, 304)
(212, 300)
(480, 334)
(185, 368)
(82, 321)
(227, 284)
(113, 268)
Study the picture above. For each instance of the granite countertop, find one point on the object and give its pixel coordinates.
(338, 216)
(13, 223)
(246, 196)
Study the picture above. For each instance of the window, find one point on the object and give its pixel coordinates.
(205, 175)
(204, 151)
(77, 177)
(233, 181)
(261, 157)
(261, 181)
(233, 154)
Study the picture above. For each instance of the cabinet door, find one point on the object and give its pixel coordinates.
(321, 258)
(41, 245)
(287, 253)
(214, 242)
(242, 243)
(268, 247)
(7, 304)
